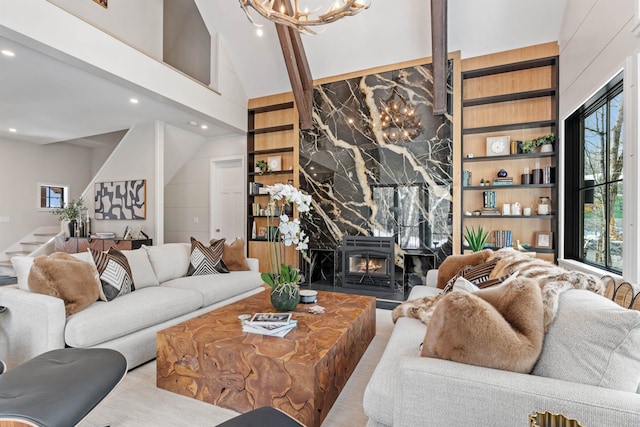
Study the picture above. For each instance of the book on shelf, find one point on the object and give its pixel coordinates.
(254, 188)
(489, 199)
(274, 331)
(503, 181)
(270, 319)
(490, 211)
(502, 239)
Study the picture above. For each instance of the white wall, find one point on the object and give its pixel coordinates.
(22, 167)
(138, 23)
(596, 43)
(187, 194)
(132, 159)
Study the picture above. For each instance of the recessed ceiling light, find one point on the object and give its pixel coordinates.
(133, 100)
(6, 52)
(192, 123)
(13, 130)
(259, 32)
(204, 127)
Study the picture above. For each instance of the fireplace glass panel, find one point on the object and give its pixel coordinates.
(362, 264)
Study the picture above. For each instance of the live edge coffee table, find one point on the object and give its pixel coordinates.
(209, 357)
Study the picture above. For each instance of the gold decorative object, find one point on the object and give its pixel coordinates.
(302, 19)
(547, 419)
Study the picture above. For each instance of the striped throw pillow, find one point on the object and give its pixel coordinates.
(478, 275)
(206, 259)
(115, 274)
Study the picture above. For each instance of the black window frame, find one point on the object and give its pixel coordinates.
(577, 189)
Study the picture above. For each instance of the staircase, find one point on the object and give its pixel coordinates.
(39, 242)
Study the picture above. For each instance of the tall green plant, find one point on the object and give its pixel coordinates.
(476, 239)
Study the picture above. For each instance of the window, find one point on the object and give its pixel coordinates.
(52, 196)
(594, 196)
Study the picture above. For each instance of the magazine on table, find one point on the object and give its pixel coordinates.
(274, 331)
(270, 319)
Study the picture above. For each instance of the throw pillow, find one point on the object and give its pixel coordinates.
(141, 269)
(501, 327)
(65, 277)
(206, 260)
(169, 261)
(22, 266)
(115, 274)
(454, 263)
(592, 341)
(233, 255)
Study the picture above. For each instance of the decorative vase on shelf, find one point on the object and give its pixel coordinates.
(285, 297)
(546, 148)
(72, 228)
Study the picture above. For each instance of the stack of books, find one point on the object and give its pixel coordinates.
(273, 324)
(103, 235)
(255, 188)
(489, 199)
(502, 239)
(490, 211)
(507, 180)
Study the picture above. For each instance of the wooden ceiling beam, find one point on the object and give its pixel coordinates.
(298, 69)
(439, 55)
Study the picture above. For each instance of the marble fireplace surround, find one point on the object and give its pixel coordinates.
(364, 183)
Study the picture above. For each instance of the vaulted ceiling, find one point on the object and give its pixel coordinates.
(41, 89)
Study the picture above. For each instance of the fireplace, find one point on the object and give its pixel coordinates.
(368, 262)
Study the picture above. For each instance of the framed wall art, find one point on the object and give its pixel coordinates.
(544, 240)
(102, 3)
(121, 199)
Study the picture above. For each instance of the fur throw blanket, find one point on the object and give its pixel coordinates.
(63, 276)
(497, 327)
(551, 279)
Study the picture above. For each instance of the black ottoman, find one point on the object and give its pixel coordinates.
(60, 387)
(262, 417)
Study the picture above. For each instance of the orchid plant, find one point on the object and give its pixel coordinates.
(282, 275)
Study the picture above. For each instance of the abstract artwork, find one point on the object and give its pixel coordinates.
(121, 199)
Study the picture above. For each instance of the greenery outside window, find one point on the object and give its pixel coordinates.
(52, 196)
(594, 196)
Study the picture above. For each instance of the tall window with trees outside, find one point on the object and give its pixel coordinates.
(594, 196)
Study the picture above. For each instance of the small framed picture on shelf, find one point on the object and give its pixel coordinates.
(275, 163)
(498, 145)
(544, 240)
(262, 232)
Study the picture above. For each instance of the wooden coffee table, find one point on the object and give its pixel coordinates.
(209, 357)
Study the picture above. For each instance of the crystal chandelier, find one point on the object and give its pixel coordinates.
(398, 118)
(302, 19)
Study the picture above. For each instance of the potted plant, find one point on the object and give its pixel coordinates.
(283, 278)
(262, 167)
(476, 239)
(70, 213)
(545, 141)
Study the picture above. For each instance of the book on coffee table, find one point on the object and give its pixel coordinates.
(270, 319)
(274, 331)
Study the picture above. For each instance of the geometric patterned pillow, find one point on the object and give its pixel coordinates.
(206, 260)
(115, 274)
(477, 274)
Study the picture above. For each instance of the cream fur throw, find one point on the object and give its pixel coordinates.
(66, 277)
(551, 279)
(498, 327)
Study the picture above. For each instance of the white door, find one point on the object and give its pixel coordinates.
(227, 199)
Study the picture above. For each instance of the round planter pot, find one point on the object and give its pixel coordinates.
(285, 301)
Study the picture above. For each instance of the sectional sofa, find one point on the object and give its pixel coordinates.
(589, 371)
(34, 323)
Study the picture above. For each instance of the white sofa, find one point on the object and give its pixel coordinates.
(589, 370)
(34, 323)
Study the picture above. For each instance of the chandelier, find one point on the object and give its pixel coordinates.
(301, 20)
(398, 118)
